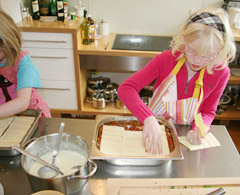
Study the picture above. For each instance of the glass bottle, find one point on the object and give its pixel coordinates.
(44, 7)
(60, 10)
(53, 7)
(85, 32)
(92, 28)
(65, 8)
(35, 10)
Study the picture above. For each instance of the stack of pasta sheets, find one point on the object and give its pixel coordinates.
(14, 129)
(117, 141)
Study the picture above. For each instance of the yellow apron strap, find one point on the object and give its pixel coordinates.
(178, 66)
(198, 117)
(198, 84)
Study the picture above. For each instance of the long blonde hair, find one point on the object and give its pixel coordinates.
(210, 38)
(10, 38)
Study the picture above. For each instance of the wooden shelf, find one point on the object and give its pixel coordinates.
(109, 109)
(233, 80)
(230, 113)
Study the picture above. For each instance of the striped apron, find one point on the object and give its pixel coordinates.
(164, 102)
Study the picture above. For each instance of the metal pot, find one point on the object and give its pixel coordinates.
(98, 100)
(67, 184)
(98, 81)
(225, 99)
(119, 104)
(111, 91)
(146, 100)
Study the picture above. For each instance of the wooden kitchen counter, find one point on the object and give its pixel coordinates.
(103, 46)
(55, 26)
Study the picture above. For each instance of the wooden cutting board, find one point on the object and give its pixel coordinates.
(174, 186)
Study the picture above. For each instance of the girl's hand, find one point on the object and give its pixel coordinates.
(194, 136)
(152, 133)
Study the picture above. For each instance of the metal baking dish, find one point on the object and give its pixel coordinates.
(8, 151)
(96, 154)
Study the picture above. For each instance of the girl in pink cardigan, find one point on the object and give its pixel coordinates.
(190, 78)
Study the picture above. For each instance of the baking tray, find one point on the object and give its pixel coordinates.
(96, 154)
(8, 151)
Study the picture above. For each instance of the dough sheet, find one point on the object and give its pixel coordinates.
(119, 142)
(207, 142)
(16, 131)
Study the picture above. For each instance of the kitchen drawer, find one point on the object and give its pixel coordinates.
(47, 40)
(59, 94)
(54, 64)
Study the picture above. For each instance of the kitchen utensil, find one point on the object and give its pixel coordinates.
(98, 100)
(45, 171)
(66, 184)
(98, 81)
(119, 104)
(133, 160)
(36, 158)
(111, 91)
(219, 191)
(225, 99)
(9, 151)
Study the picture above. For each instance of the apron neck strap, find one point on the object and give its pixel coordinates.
(178, 66)
(199, 81)
(198, 84)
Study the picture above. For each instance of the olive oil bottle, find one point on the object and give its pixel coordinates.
(85, 32)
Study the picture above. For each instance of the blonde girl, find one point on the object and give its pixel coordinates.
(190, 78)
(19, 78)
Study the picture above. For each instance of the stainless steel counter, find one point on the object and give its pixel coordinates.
(220, 161)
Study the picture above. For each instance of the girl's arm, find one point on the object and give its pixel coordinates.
(19, 104)
(129, 90)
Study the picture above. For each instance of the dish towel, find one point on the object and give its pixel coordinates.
(207, 142)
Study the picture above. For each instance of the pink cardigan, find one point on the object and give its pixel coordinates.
(161, 66)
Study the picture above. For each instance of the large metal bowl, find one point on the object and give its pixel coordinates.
(96, 154)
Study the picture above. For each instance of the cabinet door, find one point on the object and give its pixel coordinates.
(47, 40)
(54, 64)
(59, 94)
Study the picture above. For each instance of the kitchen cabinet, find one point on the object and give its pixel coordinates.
(52, 47)
(108, 60)
(52, 53)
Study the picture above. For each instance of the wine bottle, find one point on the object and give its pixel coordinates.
(60, 10)
(44, 7)
(35, 10)
(53, 6)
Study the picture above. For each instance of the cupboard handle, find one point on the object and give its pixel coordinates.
(61, 89)
(49, 57)
(44, 41)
